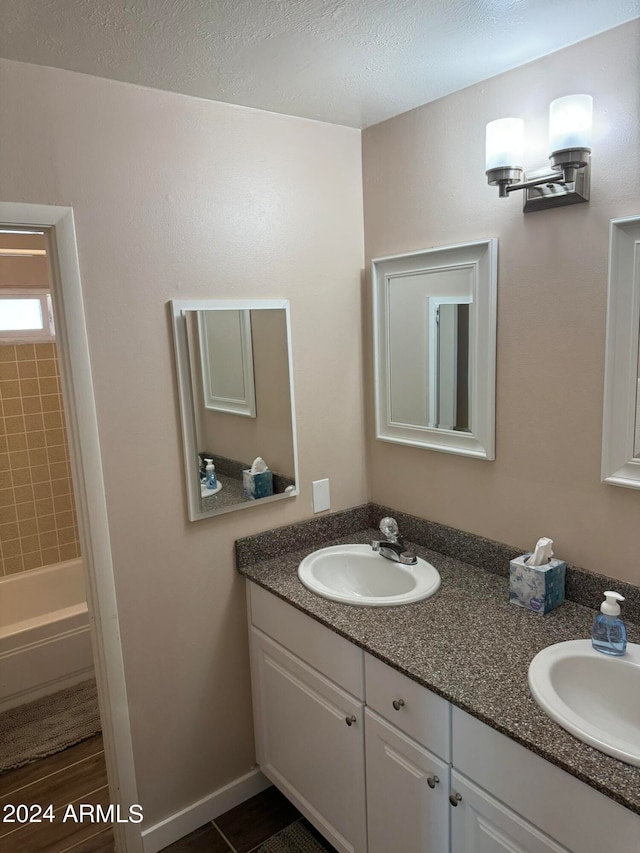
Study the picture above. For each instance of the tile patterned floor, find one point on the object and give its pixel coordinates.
(244, 828)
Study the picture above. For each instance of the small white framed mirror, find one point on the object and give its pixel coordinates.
(235, 383)
(621, 420)
(434, 317)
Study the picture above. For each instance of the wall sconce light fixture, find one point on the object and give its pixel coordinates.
(568, 179)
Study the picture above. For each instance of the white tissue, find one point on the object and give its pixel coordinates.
(259, 465)
(542, 554)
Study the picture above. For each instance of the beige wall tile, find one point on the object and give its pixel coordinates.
(50, 556)
(18, 458)
(44, 506)
(23, 493)
(7, 353)
(70, 552)
(8, 370)
(8, 532)
(29, 387)
(12, 548)
(8, 514)
(37, 457)
(27, 370)
(27, 527)
(30, 543)
(47, 523)
(13, 565)
(17, 441)
(25, 352)
(31, 405)
(9, 388)
(32, 560)
(12, 406)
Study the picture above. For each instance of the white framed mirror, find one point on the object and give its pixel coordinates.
(434, 317)
(235, 385)
(621, 419)
(226, 359)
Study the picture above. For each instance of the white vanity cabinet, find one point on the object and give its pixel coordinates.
(513, 801)
(437, 779)
(308, 695)
(407, 732)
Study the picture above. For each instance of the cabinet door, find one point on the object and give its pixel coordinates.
(310, 742)
(407, 793)
(481, 824)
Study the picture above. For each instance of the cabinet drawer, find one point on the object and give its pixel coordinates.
(586, 821)
(320, 647)
(417, 711)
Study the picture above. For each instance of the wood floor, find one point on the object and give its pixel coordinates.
(78, 775)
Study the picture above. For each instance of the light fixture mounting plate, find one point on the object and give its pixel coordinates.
(545, 196)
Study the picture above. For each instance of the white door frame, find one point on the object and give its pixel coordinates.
(88, 483)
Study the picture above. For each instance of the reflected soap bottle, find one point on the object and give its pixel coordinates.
(212, 480)
(608, 633)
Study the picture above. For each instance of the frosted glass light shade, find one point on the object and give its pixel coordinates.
(505, 144)
(570, 121)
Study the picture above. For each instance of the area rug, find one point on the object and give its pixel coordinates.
(48, 725)
(296, 838)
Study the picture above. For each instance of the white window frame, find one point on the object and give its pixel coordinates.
(30, 336)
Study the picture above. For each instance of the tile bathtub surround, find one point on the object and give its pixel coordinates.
(38, 524)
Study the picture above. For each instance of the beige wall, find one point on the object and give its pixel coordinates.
(176, 197)
(424, 186)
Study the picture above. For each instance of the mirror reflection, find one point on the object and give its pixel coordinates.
(237, 401)
(434, 346)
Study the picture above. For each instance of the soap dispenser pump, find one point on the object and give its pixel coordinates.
(608, 633)
(212, 480)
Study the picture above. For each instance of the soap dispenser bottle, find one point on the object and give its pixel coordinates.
(608, 633)
(212, 480)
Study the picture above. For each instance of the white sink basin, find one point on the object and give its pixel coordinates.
(356, 574)
(594, 696)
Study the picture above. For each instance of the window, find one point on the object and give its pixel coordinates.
(26, 316)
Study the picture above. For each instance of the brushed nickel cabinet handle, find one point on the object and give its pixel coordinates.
(350, 720)
(432, 781)
(398, 703)
(455, 798)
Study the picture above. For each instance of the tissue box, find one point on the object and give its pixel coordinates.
(538, 588)
(256, 486)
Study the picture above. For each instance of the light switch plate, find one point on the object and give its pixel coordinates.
(321, 497)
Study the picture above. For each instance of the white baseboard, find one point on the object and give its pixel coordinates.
(181, 823)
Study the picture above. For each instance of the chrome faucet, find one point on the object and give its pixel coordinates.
(392, 546)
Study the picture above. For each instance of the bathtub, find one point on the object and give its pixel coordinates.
(45, 644)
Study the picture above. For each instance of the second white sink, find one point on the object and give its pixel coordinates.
(594, 696)
(356, 574)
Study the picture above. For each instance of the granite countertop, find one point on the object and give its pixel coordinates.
(470, 645)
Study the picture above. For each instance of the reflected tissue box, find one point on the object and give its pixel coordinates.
(538, 588)
(259, 485)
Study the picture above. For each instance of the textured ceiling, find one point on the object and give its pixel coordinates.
(353, 62)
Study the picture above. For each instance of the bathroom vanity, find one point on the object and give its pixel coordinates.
(411, 728)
